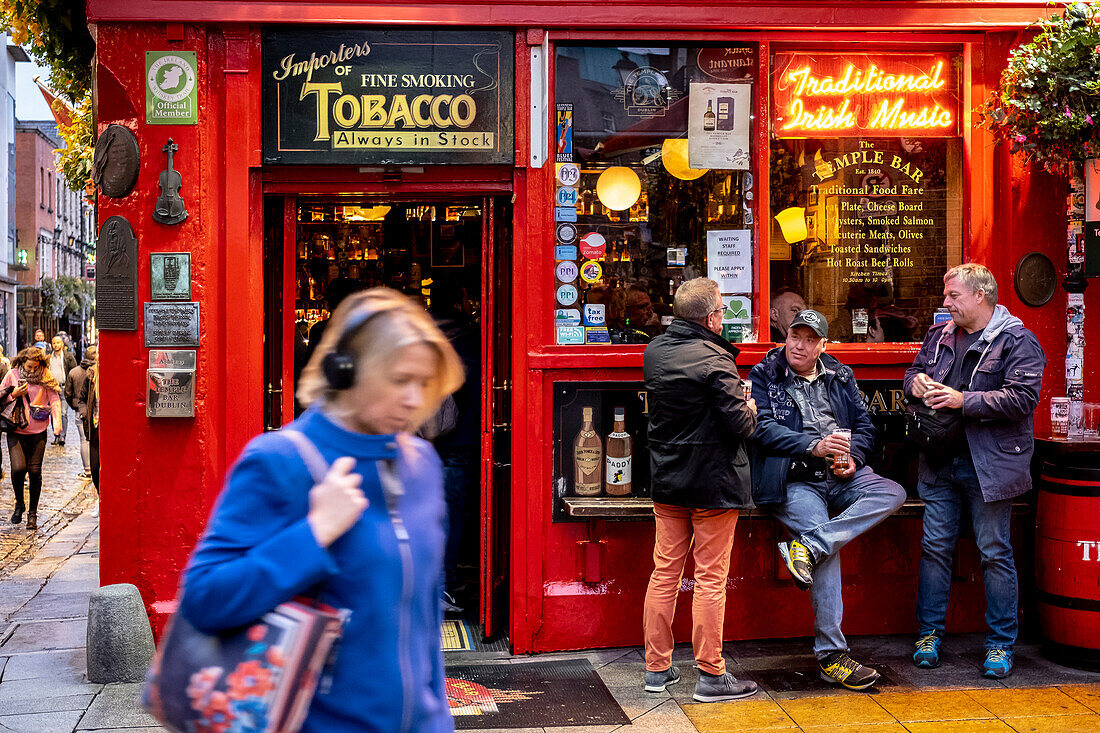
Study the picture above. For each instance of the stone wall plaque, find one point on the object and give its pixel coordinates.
(172, 324)
(170, 393)
(115, 161)
(170, 275)
(116, 280)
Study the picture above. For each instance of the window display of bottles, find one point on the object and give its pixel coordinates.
(617, 470)
(587, 458)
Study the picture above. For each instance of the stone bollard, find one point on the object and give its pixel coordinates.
(120, 642)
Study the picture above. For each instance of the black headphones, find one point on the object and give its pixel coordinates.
(338, 365)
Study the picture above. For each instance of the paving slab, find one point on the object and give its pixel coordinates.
(43, 687)
(31, 665)
(37, 636)
(53, 606)
(117, 705)
(41, 722)
(45, 704)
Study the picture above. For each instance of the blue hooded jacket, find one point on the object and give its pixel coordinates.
(259, 551)
(999, 406)
(779, 436)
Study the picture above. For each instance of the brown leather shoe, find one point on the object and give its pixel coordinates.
(32, 520)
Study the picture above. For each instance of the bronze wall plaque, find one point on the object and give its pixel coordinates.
(116, 287)
(171, 324)
(170, 393)
(170, 275)
(170, 208)
(1036, 279)
(116, 161)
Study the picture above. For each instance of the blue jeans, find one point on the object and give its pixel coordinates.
(85, 446)
(460, 487)
(860, 503)
(956, 484)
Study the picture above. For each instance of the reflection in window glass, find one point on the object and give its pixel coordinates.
(863, 229)
(639, 224)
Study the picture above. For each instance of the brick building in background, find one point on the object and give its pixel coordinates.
(54, 227)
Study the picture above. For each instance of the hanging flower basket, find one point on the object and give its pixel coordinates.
(1048, 103)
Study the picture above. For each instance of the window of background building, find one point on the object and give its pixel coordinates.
(634, 220)
(866, 192)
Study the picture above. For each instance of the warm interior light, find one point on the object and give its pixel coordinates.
(618, 188)
(674, 157)
(793, 223)
(365, 213)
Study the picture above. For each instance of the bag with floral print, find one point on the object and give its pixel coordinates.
(256, 679)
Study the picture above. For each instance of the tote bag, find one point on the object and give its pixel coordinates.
(258, 678)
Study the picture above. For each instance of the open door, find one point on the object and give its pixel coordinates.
(496, 411)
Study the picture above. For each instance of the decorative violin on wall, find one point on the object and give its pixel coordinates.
(170, 208)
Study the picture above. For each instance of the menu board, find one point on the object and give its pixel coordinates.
(881, 209)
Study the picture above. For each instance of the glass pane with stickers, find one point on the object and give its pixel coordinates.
(653, 186)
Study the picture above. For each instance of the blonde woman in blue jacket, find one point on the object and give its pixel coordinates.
(382, 368)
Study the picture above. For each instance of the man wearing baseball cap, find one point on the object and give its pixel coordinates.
(804, 397)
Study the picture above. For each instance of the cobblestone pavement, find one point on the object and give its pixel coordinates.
(64, 497)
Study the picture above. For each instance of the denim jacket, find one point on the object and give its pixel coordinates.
(779, 437)
(998, 407)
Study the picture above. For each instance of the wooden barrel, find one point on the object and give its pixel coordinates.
(1067, 562)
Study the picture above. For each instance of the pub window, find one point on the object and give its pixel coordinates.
(866, 191)
(652, 159)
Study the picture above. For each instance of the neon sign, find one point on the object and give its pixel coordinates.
(840, 96)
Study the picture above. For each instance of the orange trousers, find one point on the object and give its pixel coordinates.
(711, 531)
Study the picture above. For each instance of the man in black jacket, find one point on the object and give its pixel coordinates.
(807, 401)
(699, 419)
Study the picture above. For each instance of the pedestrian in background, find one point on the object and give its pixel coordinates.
(88, 398)
(459, 447)
(5, 364)
(62, 362)
(699, 420)
(369, 538)
(74, 386)
(31, 379)
(40, 340)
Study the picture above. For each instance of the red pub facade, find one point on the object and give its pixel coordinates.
(568, 164)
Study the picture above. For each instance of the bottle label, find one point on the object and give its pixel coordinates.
(588, 459)
(618, 470)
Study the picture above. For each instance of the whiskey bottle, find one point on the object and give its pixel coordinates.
(708, 118)
(619, 456)
(587, 457)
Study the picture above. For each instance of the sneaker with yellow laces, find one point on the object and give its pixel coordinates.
(839, 668)
(799, 561)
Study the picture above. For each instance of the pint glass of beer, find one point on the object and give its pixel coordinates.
(1059, 418)
(840, 460)
(747, 386)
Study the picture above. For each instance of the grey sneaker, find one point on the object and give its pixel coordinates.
(718, 687)
(799, 561)
(658, 681)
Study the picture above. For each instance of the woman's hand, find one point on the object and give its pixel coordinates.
(336, 503)
(21, 389)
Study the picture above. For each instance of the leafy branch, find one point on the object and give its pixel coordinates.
(66, 294)
(1048, 103)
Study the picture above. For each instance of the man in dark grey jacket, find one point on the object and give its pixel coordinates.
(987, 367)
(699, 419)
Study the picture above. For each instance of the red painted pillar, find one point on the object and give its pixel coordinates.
(160, 476)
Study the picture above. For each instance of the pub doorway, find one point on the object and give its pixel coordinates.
(452, 256)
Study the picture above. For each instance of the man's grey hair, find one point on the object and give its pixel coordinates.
(695, 299)
(975, 277)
